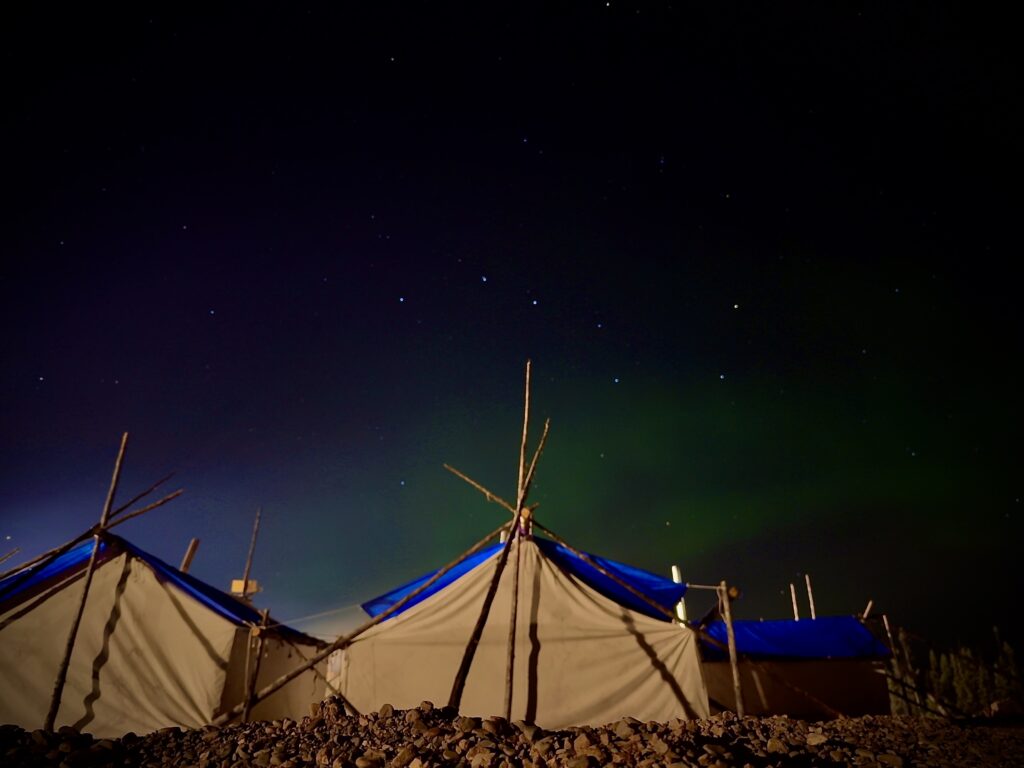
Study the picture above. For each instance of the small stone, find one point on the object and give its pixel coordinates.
(890, 759)
(404, 756)
(413, 715)
(530, 731)
(467, 724)
(623, 729)
(581, 743)
(386, 710)
(427, 706)
(814, 739)
(775, 746)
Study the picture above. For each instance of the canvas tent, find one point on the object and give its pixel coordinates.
(587, 651)
(810, 669)
(156, 647)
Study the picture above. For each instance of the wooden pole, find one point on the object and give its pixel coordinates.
(792, 595)
(5, 557)
(737, 689)
(459, 684)
(345, 640)
(810, 595)
(528, 482)
(867, 609)
(142, 495)
(250, 684)
(522, 444)
(186, 561)
(513, 620)
(62, 672)
(252, 550)
(487, 494)
(517, 531)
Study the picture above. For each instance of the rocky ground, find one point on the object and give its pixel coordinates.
(429, 736)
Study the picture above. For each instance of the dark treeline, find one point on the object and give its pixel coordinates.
(959, 682)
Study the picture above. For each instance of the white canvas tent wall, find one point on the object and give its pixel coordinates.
(582, 658)
(156, 647)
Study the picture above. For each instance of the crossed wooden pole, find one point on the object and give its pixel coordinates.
(107, 521)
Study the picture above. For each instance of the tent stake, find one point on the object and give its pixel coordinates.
(737, 690)
(250, 684)
(345, 640)
(62, 672)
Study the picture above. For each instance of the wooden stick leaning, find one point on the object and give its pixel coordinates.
(141, 495)
(737, 688)
(252, 551)
(343, 641)
(5, 557)
(327, 683)
(510, 667)
(459, 684)
(62, 671)
(487, 494)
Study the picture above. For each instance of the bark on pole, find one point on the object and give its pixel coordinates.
(737, 690)
(62, 672)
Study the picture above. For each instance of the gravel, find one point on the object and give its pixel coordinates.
(428, 736)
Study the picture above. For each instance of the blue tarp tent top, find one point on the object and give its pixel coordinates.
(830, 637)
(26, 583)
(662, 591)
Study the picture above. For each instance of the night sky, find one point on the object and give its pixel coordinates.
(762, 260)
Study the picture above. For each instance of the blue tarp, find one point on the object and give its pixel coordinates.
(830, 637)
(662, 591)
(23, 584)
